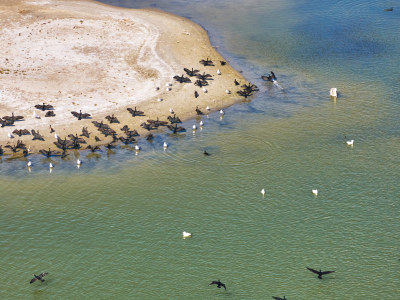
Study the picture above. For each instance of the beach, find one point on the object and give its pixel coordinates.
(99, 59)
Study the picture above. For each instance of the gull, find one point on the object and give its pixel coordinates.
(56, 136)
(315, 192)
(194, 127)
(201, 123)
(35, 115)
(208, 108)
(350, 143)
(78, 162)
(160, 99)
(51, 165)
(168, 84)
(333, 92)
(263, 192)
(186, 234)
(218, 72)
(204, 90)
(10, 135)
(29, 164)
(227, 91)
(168, 89)
(222, 112)
(165, 145)
(137, 148)
(171, 110)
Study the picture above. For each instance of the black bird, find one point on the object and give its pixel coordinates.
(200, 83)
(266, 78)
(150, 137)
(206, 62)
(44, 106)
(279, 298)
(203, 76)
(198, 111)
(12, 118)
(218, 283)
(85, 132)
(206, 153)
(93, 149)
(97, 139)
(49, 152)
(388, 9)
(176, 128)
(51, 129)
(80, 115)
(6, 122)
(157, 123)
(50, 113)
(196, 94)
(182, 79)
(191, 72)
(135, 112)
(112, 119)
(223, 63)
(174, 119)
(127, 140)
(1, 150)
(76, 138)
(21, 132)
(38, 277)
(236, 82)
(37, 135)
(273, 75)
(19, 145)
(320, 273)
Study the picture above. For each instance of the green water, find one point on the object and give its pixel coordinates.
(112, 229)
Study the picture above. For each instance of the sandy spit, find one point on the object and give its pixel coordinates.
(84, 55)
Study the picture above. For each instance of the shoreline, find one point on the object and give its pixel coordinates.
(89, 56)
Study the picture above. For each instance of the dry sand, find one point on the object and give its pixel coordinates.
(84, 55)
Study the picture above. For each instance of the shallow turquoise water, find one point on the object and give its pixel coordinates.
(112, 229)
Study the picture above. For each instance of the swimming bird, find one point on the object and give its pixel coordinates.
(350, 143)
(196, 94)
(29, 164)
(137, 148)
(186, 234)
(218, 72)
(201, 123)
(263, 192)
(279, 298)
(194, 127)
(38, 277)
(51, 165)
(222, 112)
(218, 283)
(320, 273)
(388, 9)
(206, 153)
(165, 145)
(78, 162)
(315, 192)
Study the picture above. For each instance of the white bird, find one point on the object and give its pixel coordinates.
(156, 88)
(222, 112)
(51, 166)
(168, 89)
(137, 148)
(160, 99)
(204, 90)
(29, 164)
(227, 91)
(56, 136)
(165, 145)
(263, 192)
(194, 127)
(36, 116)
(333, 92)
(171, 110)
(315, 192)
(10, 135)
(201, 123)
(350, 143)
(186, 234)
(168, 84)
(208, 108)
(78, 162)
(218, 72)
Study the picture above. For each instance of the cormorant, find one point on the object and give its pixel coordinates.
(44, 106)
(218, 283)
(320, 273)
(206, 62)
(80, 115)
(38, 277)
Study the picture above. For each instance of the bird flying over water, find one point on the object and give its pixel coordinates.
(320, 273)
(218, 283)
(38, 277)
(279, 298)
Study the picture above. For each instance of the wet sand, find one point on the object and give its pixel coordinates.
(84, 55)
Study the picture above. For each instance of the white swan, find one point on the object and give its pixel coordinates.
(186, 234)
(350, 143)
(315, 192)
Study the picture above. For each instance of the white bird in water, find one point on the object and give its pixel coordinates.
(218, 72)
(29, 164)
(263, 192)
(51, 165)
(10, 135)
(222, 112)
(165, 145)
(208, 108)
(137, 148)
(204, 90)
(186, 234)
(315, 192)
(201, 123)
(78, 162)
(350, 143)
(194, 127)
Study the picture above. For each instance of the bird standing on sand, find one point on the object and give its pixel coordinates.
(218, 283)
(38, 277)
(320, 273)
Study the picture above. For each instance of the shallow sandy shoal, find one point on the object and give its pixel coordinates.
(84, 55)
